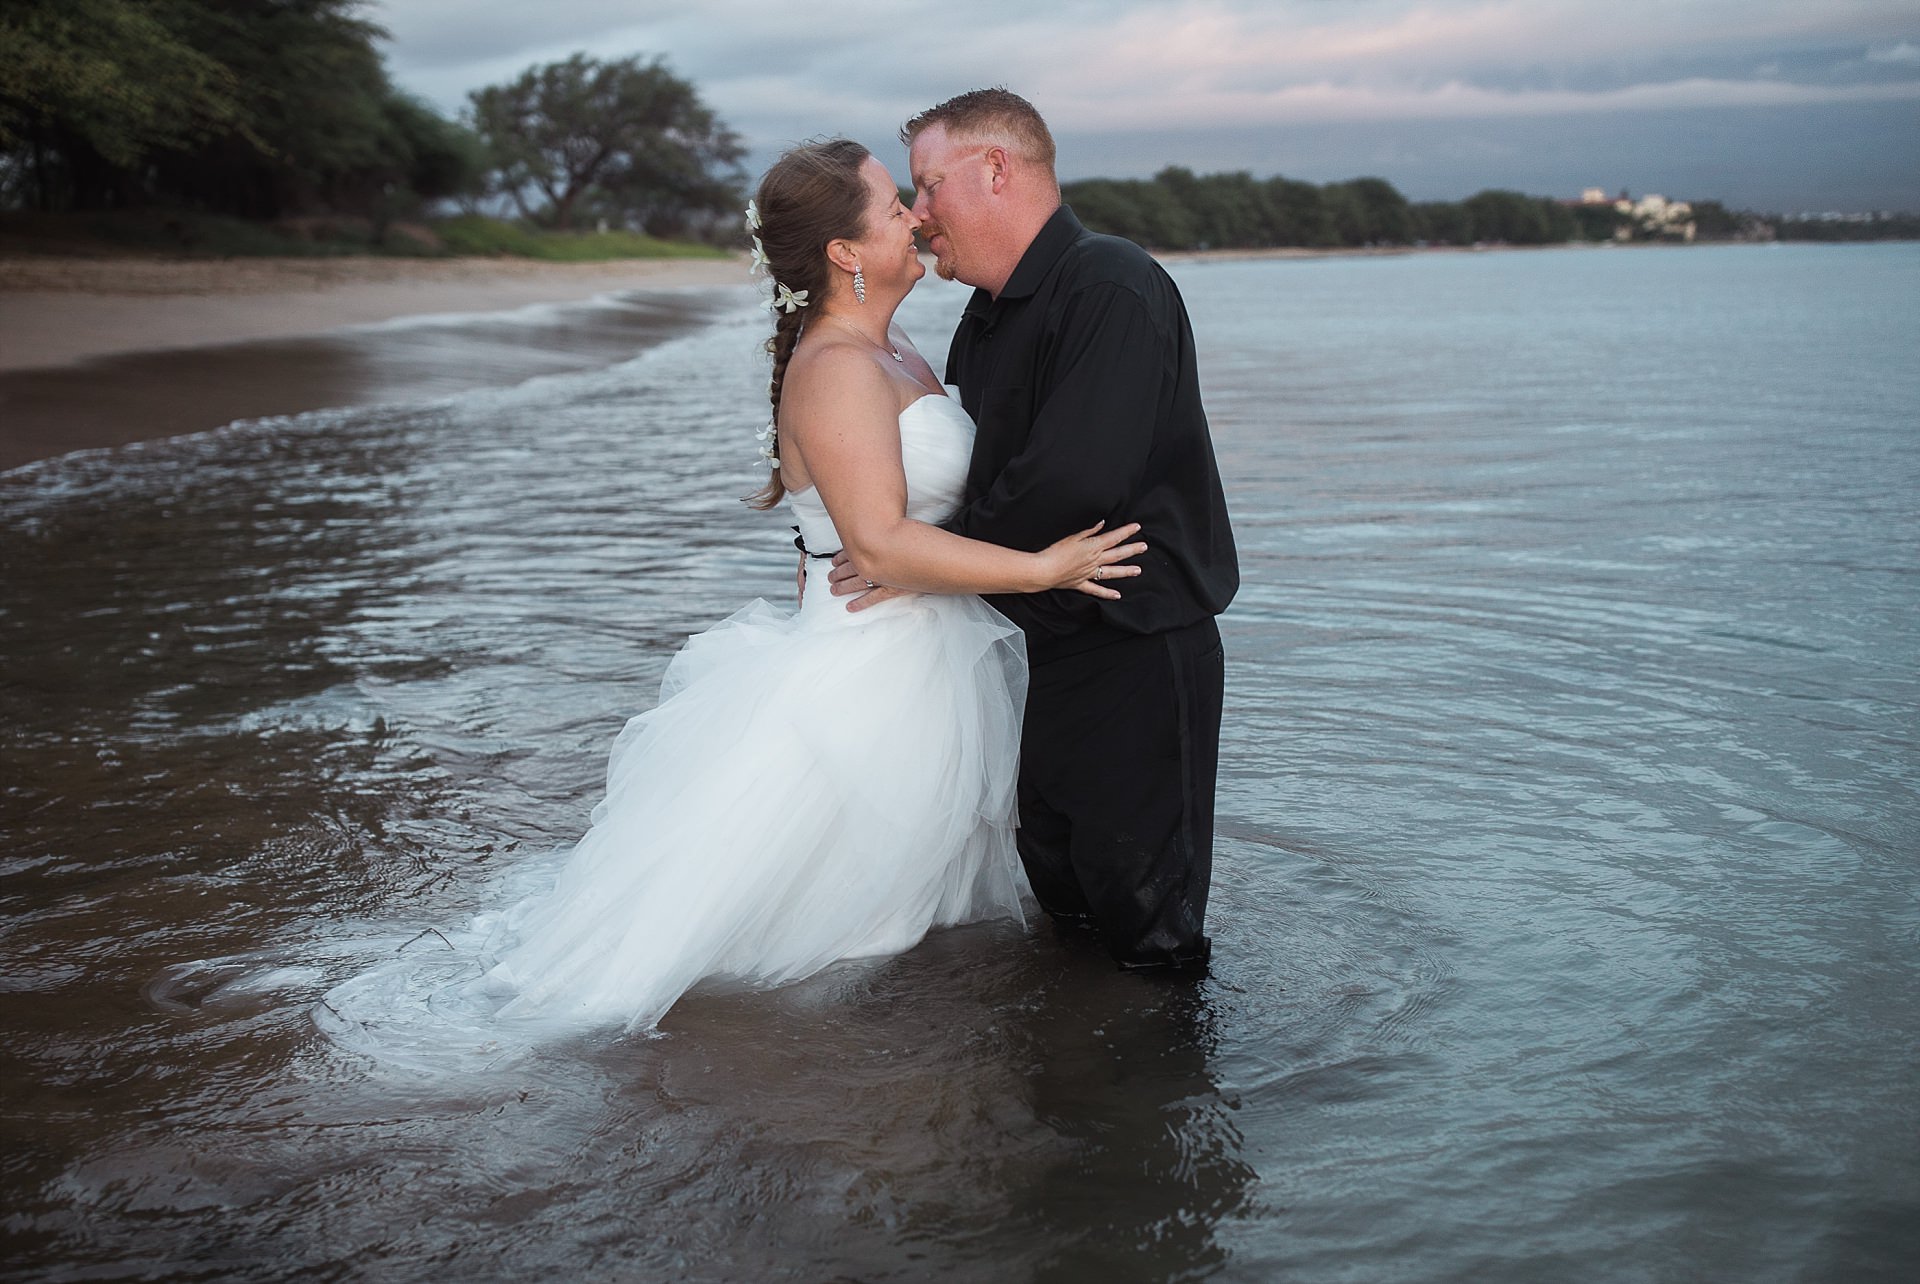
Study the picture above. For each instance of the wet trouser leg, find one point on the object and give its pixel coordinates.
(1118, 759)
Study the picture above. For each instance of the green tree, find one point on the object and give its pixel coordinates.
(1108, 205)
(1518, 219)
(1597, 222)
(252, 107)
(423, 157)
(1559, 220)
(1345, 217)
(1713, 221)
(89, 88)
(627, 137)
(328, 132)
(1165, 220)
(1370, 211)
(1170, 206)
(1299, 214)
(1230, 210)
(1442, 223)
(1147, 213)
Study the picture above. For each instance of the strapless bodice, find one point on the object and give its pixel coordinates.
(936, 442)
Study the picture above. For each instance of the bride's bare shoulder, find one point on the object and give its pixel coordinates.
(834, 384)
(839, 377)
(829, 357)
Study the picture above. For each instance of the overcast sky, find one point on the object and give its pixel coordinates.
(1766, 104)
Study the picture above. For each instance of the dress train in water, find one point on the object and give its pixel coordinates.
(813, 786)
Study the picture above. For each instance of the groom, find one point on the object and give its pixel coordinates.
(1076, 360)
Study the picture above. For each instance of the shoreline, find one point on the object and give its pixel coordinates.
(1403, 251)
(58, 313)
(103, 353)
(99, 352)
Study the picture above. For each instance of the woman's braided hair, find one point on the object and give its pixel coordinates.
(814, 194)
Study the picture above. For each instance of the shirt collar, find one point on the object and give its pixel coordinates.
(1059, 231)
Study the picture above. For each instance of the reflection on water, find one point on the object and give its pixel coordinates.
(1564, 904)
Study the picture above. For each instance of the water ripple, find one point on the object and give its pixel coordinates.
(1564, 900)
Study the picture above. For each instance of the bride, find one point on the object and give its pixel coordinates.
(827, 784)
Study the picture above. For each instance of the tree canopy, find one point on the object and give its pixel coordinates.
(112, 77)
(1179, 210)
(626, 140)
(251, 107)
(267, 108)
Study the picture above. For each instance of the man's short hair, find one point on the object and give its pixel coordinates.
(989, 115)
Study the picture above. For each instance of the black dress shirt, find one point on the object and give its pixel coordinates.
(1081, 379)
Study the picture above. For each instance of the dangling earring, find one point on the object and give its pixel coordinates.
(859, 286)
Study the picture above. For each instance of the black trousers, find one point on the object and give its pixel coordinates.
(1117, 765)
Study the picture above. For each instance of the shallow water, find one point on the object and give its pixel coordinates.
(1565, 905)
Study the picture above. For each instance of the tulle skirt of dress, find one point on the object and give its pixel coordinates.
(811, 787)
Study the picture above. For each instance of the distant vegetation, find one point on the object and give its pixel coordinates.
(270, 126)
(1849, 227)
(1179, 210)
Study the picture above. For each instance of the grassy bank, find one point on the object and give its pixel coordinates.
(180, 234)
(473, 234)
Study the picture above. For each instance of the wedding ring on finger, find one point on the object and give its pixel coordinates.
(1099, 572)
(869, 584)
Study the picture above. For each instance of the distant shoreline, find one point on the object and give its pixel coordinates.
(1495, 247)
(56, 312)
(99, 351)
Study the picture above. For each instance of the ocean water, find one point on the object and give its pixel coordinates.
(1565, 905)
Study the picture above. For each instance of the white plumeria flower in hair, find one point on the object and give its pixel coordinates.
(760, 259)
(753, 217)
(788, 300)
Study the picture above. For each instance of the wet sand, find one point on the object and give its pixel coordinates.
(98, 353)
(56, 312)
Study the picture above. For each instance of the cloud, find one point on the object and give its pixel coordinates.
(453, 33)
(1327, 102)
(1840, 156)
(778, 71)
(764, 63)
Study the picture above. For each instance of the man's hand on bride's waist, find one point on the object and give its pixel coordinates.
(846, 581)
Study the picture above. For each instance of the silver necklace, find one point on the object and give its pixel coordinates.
(889, 349)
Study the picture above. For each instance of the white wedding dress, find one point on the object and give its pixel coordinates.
(811, 787)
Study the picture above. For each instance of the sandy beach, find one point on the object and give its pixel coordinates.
(56, 311)
(100, 352)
